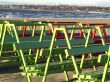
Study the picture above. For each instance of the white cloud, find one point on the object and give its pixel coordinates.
(55, 2)
(105, 0)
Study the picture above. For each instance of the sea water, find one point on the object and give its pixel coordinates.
(9, 13)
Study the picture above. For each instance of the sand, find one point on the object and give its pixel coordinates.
(12, 74)
(83, 20)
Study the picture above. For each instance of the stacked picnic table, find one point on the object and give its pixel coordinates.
(42, 48)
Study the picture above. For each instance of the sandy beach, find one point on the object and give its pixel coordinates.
(13, 75)
(83, 20)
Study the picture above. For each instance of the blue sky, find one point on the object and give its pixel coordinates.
(58, 2)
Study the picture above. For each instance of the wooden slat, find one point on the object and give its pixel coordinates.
(45, 44)
(79, 50)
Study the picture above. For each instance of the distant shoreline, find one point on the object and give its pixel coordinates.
(35, 10)
(52, 10)
(47, 10)
(59, 8)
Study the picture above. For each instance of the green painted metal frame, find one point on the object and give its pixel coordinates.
(49, 56)
(7, 27)
(11, 29)
(78, 69)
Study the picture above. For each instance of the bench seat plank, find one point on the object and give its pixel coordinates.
(79, 50)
